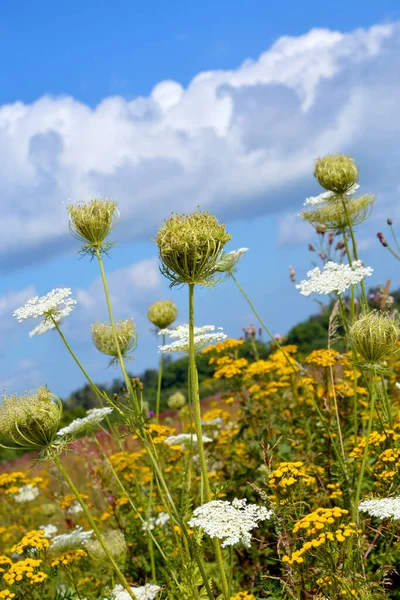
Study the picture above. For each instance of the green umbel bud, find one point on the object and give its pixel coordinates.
(30, 421)
(336, 172)
(176, 400)
(104, 340)
(115, 542)
(332, 216)
(190, 247)
(163, 313)
(48, 509)
(374, 336)
(91, 222)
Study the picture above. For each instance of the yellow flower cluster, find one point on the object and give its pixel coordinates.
(10, 483)
(66, 558)
(6, 595)
(4, 560)
(388, 464)
(125, 460)
(216, 413)
(159, 433)
(25, 568)
(334, 491)
(243, 596)
(289, 473)
(68, 501)
(231, 368)
(319, 519)
(323, 358)
(228, 344)
(376, 440)
(32, 539)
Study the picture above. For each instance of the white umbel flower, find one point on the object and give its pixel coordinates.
(74, 509)
(185, 440)
(161, 519)
(202, 337)
(326, 196)
(383, 508)
(49, 530)
(76, 538)
(230, 522)
(26, 493)
(145, 592)
(52, 304)
(91, 421)
(334, 278)
(229, 261)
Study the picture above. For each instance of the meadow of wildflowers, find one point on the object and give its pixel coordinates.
(287, 486)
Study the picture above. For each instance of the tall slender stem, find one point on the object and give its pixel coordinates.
(199, 433)
(353, 241)
(160, 374)
(53, 456)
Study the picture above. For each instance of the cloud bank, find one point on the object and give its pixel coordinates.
(241, 142)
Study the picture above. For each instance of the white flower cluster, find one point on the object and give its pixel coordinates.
(334, 278)
(145, 592)
(76, 538)
(229, 261)
(92, 420)
(161, 519)
(385, 508)
(49, 530)
(202, 337)
(185, 440)
(74, 509)
(56, 304)
(326, 196)
(229, 522)
(26, 493)
(216, 421)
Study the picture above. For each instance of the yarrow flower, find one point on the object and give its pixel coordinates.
(202, 337)
(145, 592)
(229, 522)
(26, 493)
(92, 420)
(334, 278)
(383, 508)
(52, 307)
(185, 440)
(65, 541)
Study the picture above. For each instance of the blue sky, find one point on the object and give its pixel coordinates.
(166, 105)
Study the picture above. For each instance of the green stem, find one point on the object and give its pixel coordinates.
(289, 361)
(53, 456)
(366, 448)
(160, 374)
(195, 396)
(355, 253)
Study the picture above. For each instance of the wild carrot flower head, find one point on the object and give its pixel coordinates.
(374, 336)
(176, 400)
(163, 313)
(90, 422)
(30, 421)
(51, 307)
(92, 222)
(383, 508)
(229, 261)
(144, 592)
(333, 279)
(202, 337)
(190, 247)
(75, 539)
(230, 522)
(103, 338)
(336, 172)
(334, 216)
(116, 544)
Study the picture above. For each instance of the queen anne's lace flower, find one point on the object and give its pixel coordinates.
(55, 305)
(384, 508)
(334, 278)
(26, 493)
(185, 440)
(202, 337)
(65, 541)
(145, 592)
(326, 196)
(161, 519)
(230, 260)
(229, 522)
(92, 420)
(49, 530)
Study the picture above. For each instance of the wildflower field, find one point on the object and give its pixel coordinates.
(284, 485)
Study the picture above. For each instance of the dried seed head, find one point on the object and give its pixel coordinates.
(176, 400)
(115, 543)
(332, 216)
(374, 336)
(91, 222)
(104, 340)
(190, 246)
(30, 421)
(336, 172)
(163, 313)
(382, 239)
